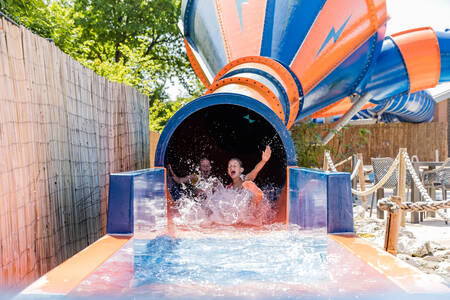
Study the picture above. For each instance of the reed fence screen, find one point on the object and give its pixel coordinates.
(63, 130)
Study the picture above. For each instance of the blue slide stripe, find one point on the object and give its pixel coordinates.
(286, 25)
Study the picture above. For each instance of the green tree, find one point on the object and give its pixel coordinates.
(307, 138)
(31, 13)
(136, 42)
(133, 41)
(308, 144)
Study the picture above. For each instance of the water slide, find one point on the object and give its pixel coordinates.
(266, 64)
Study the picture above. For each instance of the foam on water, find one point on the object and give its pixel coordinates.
(268, 258)
(219, 205)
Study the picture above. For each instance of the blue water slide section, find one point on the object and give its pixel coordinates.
(130, 190)
(414, 108)
(320, 200)
(286, 25)
(202, 31)
(269, 81)
(389, 77)
(444, 49)
(344, 80)
(219, 99)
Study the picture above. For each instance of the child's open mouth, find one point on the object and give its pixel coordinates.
(233, 172)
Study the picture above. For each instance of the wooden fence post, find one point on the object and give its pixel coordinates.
(392, 229)
(402, 182)
(362, 180)
(325, 161)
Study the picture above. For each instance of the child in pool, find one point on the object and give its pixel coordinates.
(235, 170)
(196, 179)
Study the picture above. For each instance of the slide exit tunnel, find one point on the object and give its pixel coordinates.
(268, 64)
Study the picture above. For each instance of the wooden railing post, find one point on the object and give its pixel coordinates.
(325, 161)
(402, 182)
(355, 179)
(392, 229)
(362, 180)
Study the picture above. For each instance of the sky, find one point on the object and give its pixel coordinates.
(408, 14)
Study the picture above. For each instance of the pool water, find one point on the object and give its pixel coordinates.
(285, 257)
(271, 262)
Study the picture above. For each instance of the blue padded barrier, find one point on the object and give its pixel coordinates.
(319, 199)
(129, 194)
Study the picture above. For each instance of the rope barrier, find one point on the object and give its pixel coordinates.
(375, 187)
(330, 162)
(389, 205)
(386, 203)
(355, 171)
(343, 162)
(420, 186)
(381, 182)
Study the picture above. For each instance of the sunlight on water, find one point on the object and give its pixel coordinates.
(227, 243)
(269, 258)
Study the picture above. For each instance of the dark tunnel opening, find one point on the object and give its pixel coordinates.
(221, 132)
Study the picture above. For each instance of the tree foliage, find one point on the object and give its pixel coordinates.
(30, 13)
(307, 138)
(308, 144)
(136, 42)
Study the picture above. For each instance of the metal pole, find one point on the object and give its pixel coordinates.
(357, 105)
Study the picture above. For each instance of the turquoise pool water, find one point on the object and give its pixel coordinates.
(234, 263)
(284, 257)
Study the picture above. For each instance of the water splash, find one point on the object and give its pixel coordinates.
(218, 205)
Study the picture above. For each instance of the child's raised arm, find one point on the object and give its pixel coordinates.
(182, 179)
(264, 158)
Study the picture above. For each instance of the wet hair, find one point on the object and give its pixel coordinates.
(204, 158)
(238, 160)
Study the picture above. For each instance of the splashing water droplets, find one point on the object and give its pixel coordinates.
(218, 205)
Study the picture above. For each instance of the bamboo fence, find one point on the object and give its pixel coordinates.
(63, 130)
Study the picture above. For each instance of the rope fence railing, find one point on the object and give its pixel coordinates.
(403, 157)
(396, 205)
(343, 161)
(391, 206)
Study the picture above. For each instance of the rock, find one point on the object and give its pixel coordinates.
(434, 258)
(359, 212)
(407, 233)
(442, 254)
(413, 247)
(444, 267)
(416, 262)
(437, 247)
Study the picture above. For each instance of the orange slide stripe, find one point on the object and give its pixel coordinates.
(275, 69)
(251, 88)
(420, 51)
(241, 39)
(66, 276)
(333, 37)
(410, 279)
(338, 108)
(195, 65)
